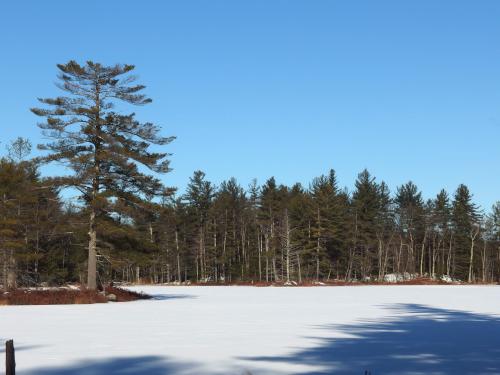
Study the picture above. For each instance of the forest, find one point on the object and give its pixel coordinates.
(127, 226)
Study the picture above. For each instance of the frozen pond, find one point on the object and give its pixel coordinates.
(241, 330)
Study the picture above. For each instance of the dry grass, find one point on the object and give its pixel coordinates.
(50, 297)
(124, 295)
(62, 296)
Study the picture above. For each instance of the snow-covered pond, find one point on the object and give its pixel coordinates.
(241, 330)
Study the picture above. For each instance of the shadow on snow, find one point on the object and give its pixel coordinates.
(424, 340)
(163, 297)
(17, 348)
(151, 365)
(416, 340)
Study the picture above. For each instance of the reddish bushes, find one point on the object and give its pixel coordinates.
(124, 295)
(50, 297)
(62, 296)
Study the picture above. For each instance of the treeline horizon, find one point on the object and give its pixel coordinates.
(128, 226)
(264, 233)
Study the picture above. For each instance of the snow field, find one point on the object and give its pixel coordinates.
(268, 330)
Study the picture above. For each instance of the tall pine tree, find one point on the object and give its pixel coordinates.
(103, 147)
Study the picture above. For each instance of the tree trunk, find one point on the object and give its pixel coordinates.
(92, 261)
(298, 264)
(259, 252)
(317, 259)
(287, 229)
(178, 256)
(473, 234)
(484, 262)
(216, 276)
(422, 254)
(318, 244)
(5, 268)
(11, 273)
(380, 259)
(448, 259)
(267, 256)
(471, 260)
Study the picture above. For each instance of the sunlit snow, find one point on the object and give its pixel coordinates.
(266, 330)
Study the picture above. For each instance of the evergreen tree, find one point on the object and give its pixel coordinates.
(442, 234)
(11, 238)
(269, 214)
(19, 149)
(301, 244)
(103, 147)
(465, 218)
(494, 239)
(199, 195)
(410, 214)
(365, 207)
(230, 205)
(325, 226)
(495, 218)
(384, 228)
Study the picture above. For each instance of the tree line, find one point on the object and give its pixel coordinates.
(127, 226)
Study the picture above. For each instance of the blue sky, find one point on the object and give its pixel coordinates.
(409, 90)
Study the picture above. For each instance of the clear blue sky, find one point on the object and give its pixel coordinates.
(407, 89)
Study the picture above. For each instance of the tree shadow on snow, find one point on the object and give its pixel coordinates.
(17, 348)
(163, 297)
(429, 341)
(150, 365)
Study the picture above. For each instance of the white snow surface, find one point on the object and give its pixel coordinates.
(267, 330)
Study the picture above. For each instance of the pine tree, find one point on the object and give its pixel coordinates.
(365, 207)
(441, 217)
(18, 181)
(494, 237)
(19, 149)
(103, 147)
(269, 213)
(495, 218)
(384, 227)
(230, 204)
(199, 195)
(410, 211)
(465, 219)
(253, 209)
(324, 192)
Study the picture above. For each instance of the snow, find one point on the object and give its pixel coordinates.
(396, 277)
(239, 330)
